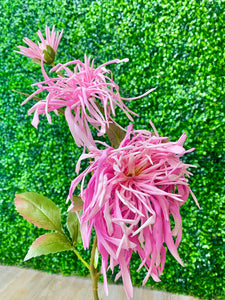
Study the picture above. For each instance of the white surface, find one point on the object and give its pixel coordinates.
(24, 284)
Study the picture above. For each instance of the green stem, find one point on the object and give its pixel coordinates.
(39, 99)
(94, 271)
(83, 261)
(59, 72)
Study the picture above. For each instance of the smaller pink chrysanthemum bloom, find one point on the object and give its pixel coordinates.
(45, 50)
(129, 199)
(89, 96)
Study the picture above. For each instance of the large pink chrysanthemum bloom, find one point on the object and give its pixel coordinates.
(88, 94)
(42, 51)
(129, 200)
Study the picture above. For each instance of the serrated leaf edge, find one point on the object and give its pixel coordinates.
(51, 221)
(27, 257)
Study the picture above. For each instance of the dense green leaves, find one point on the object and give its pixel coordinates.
(39, 210)
(176, 46)
(51, 242)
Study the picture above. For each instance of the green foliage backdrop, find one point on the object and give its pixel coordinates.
(175, 46)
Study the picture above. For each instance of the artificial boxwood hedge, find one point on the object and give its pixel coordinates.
(175, 46)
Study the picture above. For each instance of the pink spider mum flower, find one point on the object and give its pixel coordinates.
(46, 49)
(88, 94)
(129, 199)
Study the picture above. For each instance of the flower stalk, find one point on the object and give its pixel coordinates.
(94, 271)
(80, 257)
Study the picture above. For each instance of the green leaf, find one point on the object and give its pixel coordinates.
(77, 203)
(48, 243)
(39, 210)
(96, 258)
(115, 134)
(73, 226)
